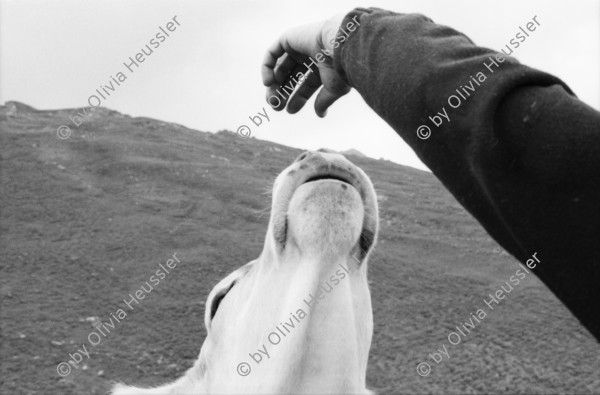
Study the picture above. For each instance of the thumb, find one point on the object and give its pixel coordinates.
(325, 98)
(333, 88)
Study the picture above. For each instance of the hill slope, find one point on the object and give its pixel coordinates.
(85, 221)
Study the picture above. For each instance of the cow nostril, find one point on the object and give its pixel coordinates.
(302, 157)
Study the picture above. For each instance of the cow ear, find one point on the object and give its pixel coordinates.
(218, 293)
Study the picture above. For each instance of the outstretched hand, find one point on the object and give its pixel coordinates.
(286, 61)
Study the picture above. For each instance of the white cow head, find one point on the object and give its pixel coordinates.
(297, 319)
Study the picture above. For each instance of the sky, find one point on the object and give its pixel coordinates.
(206, 74)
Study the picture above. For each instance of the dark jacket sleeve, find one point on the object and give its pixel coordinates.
(520, 152)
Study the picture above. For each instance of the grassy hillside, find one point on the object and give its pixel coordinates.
(86, 221)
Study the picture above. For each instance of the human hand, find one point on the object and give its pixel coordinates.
(285, 67)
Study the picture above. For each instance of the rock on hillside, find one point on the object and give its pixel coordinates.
(354, 152)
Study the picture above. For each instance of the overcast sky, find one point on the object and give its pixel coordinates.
(206, 74)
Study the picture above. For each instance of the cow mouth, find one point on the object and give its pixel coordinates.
(335, 173)
(328, 177)
(346, 177)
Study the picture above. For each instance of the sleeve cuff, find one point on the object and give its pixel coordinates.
(350, 24)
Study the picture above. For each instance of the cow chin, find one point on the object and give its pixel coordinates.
(323, 217)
